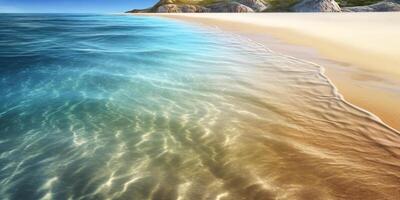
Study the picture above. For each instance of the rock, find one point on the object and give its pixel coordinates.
(229, 7)
(173, 8)
(139, 11)
(316, 6)
(194, 8)
(256, 5)
(383, 6)
(168, 8)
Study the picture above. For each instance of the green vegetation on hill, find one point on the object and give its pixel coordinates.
(347, 3)
(208, 2)
(280, 5)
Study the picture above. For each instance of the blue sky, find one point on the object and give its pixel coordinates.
(67, 6)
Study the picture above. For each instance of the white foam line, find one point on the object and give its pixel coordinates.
(340, 96)
(321, 72)
(216, 28)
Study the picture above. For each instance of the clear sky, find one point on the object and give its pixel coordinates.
(77, 6)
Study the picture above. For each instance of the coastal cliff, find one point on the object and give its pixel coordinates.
(200, 6)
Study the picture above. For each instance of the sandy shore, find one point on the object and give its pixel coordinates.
(360, 51)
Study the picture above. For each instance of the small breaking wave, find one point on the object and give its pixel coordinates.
(169, 111)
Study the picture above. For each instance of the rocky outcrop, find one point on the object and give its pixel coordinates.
(316, 6)
(168, 8)
(256, 5)
(199, 6)
(218, 7)
(229, 7)
(383, 6)
(139, 11)
(173, 8)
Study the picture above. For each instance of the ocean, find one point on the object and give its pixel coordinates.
(130, 107)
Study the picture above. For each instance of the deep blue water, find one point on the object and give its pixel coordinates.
(69, 82)
(128, 107)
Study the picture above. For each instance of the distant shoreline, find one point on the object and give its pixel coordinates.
(360, 51)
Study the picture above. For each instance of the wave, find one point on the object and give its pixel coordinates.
(178, 112)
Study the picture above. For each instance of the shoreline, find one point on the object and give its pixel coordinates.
(370, 87)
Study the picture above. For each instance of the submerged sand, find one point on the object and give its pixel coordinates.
(360, 51)
(148, 109)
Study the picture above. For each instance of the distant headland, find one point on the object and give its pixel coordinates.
(226, 6)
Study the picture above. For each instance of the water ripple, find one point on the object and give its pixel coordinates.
(122, 107)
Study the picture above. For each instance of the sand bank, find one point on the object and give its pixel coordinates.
(360, 51)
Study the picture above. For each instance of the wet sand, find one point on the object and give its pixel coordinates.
(359, 51)
(154, 109)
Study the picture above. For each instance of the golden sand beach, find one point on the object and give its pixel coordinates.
(359, 51)
(122, 107)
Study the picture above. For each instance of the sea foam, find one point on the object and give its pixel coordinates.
(128, 107)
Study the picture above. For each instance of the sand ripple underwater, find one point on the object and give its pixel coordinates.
(126, 107)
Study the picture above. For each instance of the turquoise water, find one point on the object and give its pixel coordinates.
(127, 107)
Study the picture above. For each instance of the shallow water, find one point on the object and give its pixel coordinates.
(123, 107)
